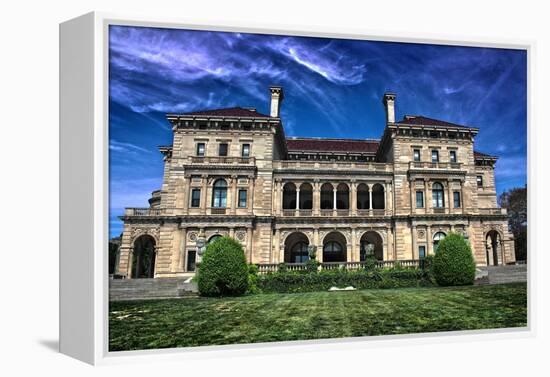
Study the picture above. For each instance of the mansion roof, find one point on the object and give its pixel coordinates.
(332, 145)
(419, 120)
(238, 112)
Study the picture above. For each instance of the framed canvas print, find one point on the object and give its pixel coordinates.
(223, 186)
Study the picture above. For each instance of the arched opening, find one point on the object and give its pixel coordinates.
(219, 194)
(438, 195)
(306, 196)
(296, 248)
(371, 245)
(289, 196)
(437, 237)
(378, 196)
(143, 259)
(363, 196)
(492, 248)
(342, 196)
(334, 248)
(327, 196)
(214, 238)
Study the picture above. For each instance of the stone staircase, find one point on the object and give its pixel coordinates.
(145, 289)
(501, 274)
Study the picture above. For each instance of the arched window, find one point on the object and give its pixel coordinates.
(214, 238)
(327, 196)
(342, 196)
(333, 252)
(363, 196)
(289, 196)
(438, 197)
(438, 237)
(378, 196)
(306, 196)
(299, 253)
(219, 194)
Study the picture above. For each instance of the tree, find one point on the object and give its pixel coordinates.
(453, 262)
(515, 201)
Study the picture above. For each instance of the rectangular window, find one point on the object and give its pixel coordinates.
(435, 155)
(242, 198)
(223, 149)
(200, 149)
(195, 198)
(191, 259)
(452, 155)
(456, 199)
(420, 199)
(421, 252)
(246, 150)
(416, 154)
(479, 180)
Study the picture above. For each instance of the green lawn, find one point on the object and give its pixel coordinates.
(277, 317)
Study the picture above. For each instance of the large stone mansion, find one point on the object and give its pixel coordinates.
(233, 172)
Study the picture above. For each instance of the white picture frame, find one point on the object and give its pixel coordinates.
(84, 191)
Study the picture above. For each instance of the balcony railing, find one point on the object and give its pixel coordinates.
(434, 165)
(266, 268)
(337, 212)
(144, 211)
(493, 211)
(333, 165)
(222, 160)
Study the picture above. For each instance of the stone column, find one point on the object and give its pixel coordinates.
(317, 242)
(429, 241)
(316, 197)
(450, 196)
(297, 198)
(204, 194)
(249, 244)
(414, 254)
(181, 256)
(427, 198)
(353, 198)
(462, 201)
(275, 255)
(187, 191)
(370, 200)
(234, 194)
(412, 191)
(278, 196)
(334, 191)
(353, 254)
(250, 195)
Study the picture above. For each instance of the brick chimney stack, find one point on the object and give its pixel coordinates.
(389, 104)
(277, 97)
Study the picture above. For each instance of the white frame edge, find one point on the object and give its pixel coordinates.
(84, 213)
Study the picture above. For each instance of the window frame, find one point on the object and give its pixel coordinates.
(457, 199)
(193, 191)
(197, 149)
(415, 151)
(239, 199)
(226, 146)
(479, 180)
(435, 153)
(438, 201)
(422, 247)
(245, 145)
(453, 157)
(421, 198)
(218, 200)
(188, 260)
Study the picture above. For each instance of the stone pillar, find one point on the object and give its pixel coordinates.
(427, 198)
(317, 242)
(414, 254)
(412, 190)
(429, 240)
(370, 200)
(297, 198)
(278, 196)
(275, 255)
(187, 191)
(204, 194)
(450, 196)
(249, 244)
(353, 198)
(234, 195)
(462, 201)
(181, 256)
(316, 197)
(353, 253)
(250, 195)
(334, 191)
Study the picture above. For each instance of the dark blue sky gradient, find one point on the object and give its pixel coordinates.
(333, 88)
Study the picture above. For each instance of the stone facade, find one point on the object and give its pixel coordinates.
(233, 172)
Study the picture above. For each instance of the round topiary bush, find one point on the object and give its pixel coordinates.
(223, 270)
(453, 263)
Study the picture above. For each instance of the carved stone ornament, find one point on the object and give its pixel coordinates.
(240, 235)
(192, 236)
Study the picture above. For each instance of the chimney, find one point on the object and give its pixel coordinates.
(277, 97)
(389, 104)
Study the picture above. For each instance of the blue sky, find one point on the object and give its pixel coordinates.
(333, 88)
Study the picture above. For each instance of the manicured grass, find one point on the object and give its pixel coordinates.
(317, 315)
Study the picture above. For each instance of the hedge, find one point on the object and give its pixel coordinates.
(301, 281)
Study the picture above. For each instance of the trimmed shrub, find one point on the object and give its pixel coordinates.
(252, 279)
(370, 263)
(453, 262)
(298, 281)
(223, 270)
(312, 265)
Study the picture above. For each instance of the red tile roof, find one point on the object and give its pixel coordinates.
(332, 145)
(425, 121)
(483, 155)
(231, 112)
